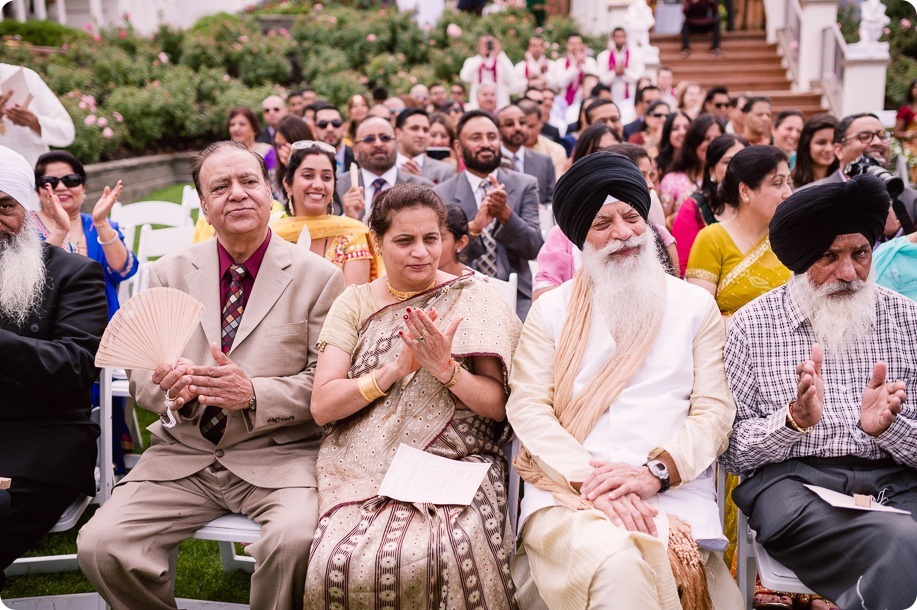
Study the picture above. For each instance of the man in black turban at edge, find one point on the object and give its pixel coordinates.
(620, 402)
(824, 371)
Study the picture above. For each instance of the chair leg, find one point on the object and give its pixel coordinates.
(745, 565)
(232, 561)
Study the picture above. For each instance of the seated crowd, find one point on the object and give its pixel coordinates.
(697, 283)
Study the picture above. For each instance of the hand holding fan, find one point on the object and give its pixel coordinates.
(149, 330)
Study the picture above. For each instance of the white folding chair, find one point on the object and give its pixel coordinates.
(752, 558)
(135, 215)
(190, 200)
(104, 482)
(508, 289)
(510, 450)
(155, 243)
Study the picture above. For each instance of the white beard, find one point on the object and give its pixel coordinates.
(22, 274)
(839, 322)
(630, 292)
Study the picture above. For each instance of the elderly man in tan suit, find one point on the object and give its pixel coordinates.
(245, 441)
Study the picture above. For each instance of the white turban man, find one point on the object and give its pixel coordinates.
(620, 402)
(52, 314)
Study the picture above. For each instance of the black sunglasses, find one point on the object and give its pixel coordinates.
(721, 104)
(333, 122)
(370, 140)
(70, 181)
(659, 115)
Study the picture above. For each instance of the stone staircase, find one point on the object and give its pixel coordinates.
(749, 64)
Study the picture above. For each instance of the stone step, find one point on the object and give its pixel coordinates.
(737, 35)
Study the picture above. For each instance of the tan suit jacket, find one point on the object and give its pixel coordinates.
(274, 345)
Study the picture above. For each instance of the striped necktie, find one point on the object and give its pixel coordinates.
(213, 423)
(487, 262)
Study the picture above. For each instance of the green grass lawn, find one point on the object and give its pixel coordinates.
(169, 193)
(199, 575)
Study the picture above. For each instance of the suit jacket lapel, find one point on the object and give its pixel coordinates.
(270, 283)
(204, 285)
(464, 196)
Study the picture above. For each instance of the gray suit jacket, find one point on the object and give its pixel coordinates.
(275, 346)
(343, 185)
(518, 241)
(436, 171)
(542, 168)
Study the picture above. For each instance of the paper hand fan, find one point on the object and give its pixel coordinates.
(151, 329)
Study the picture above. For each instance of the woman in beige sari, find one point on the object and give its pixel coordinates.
(418, 357)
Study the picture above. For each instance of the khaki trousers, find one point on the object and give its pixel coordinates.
(124, 549)
(622, 576)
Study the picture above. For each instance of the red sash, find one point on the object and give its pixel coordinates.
(574, 86)
(612, 64)
(485, 68)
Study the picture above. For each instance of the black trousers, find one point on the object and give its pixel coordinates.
(860, 560)
(34, 508)
(686, 30)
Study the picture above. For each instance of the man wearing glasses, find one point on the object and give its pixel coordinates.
(329, 128)
(273, 109)
(717, 103)
(376, 152)
(864, 134)
(644, 97)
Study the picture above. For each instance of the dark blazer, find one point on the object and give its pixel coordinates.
(632, 128)
(518, 241)
(343, 185)
(551, 132)
(45, 430)
(348, 158)
(266, 136)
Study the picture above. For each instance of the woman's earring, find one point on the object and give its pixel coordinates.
(458, 250)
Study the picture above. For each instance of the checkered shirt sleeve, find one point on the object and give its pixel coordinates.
(765, 341)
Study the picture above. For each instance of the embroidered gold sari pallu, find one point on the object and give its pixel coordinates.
(375, 552)
(348, 239)
(578, 415)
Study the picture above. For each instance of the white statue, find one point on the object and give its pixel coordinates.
(638, 20)
(872, 21)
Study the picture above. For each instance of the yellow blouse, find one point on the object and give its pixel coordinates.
(739, 277)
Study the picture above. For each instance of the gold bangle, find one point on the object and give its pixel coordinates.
(792, 422)
(455, 376)
(369, 388)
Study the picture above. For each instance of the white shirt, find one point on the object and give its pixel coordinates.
(662, 386)
(56, 125)
(391, 176)
(477, 71)
(512, 156)
(402, 159)
(624, 86)
(475, 183)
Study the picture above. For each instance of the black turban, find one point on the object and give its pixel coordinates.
(806, 223)
(583, 189)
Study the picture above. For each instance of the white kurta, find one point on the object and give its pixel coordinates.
(652, 409)
(567, 74)
(56, 125)
(623, 87)
(476, 72)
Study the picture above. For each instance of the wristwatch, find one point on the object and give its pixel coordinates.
(661, 472)
(252, 403)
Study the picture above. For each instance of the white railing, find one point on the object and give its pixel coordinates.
(834, 49)
(788, 37)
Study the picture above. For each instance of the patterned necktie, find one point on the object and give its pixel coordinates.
(213, 423)
(379, 185)
(487, 262)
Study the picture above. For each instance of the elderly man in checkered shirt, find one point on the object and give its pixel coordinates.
(822, 370)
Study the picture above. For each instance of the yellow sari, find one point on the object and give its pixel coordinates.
(348, 239)
(739, 277)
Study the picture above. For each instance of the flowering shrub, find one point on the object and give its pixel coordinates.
(173, 90)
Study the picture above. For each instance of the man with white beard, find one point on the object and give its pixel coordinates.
(821, 369)
(52, 314)
(620, 402)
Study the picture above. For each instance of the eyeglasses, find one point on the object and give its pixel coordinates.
(866, 136)
(658, 115)
(322, 146)
(608, 121)
(274, 109)
(333, 122)
(721, 104)
(70, 181)
(370, 140)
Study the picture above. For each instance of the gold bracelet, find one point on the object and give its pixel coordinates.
(369, 388)
(792, 422)
(455, 377)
